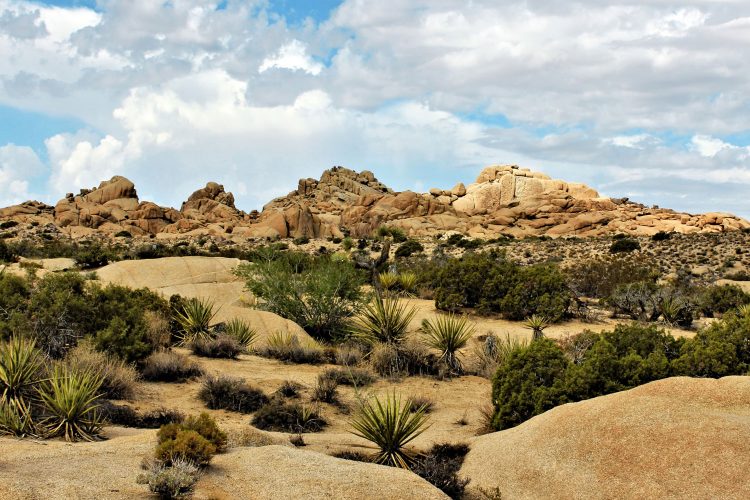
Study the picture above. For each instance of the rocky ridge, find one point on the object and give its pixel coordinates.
(504, 199)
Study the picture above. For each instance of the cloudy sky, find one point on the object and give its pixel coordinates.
(642, 98)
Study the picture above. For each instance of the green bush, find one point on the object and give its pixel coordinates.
(624, 245)
(408, 248)
(203, 424)
(320, 295)
(130, 343)
(719, 299)
(599, 277)
(184, 445)
(91, 256)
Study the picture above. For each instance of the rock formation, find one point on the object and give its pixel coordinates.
(505, 199)
(673, 438)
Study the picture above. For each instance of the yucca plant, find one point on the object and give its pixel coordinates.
(536, 323)
(743, 310)
(385, 320)
(494, 351)
(408, 282)
(390, 425)
(194, 318)
(388, 280)
(242, 332)
(20, 363)
(670, 309)
(69, 397)
(448, 334)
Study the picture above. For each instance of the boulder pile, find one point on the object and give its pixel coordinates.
(504, 199)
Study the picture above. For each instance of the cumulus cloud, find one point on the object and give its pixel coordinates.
(19, 165)
(630, 96)
(292, 56)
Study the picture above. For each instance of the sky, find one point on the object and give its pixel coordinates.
(648, 99)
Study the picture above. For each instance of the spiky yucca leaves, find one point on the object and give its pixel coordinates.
(385, 320)
(494, 351)
(536, 323)
(388, 280)
(69, 396)
(195, 318)
(20, 362)
(390, 425)
(242, 332)
(408, 282)
(743, 310)
(448, 334)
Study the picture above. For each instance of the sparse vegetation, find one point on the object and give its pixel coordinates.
(221, 346)
(281, 416)
(448, 334)
(169, 366)
(287, 347)
(230, 393)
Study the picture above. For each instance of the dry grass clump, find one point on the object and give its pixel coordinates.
(249, 437)
(169, 366)
(158, 330)
(230, 393)
(349, 354)
(174, 481)
(409, 358)
(493, 351)
(221, 346)
(126, 416)
(417, 403)
(119, 380)
(281, 416)
(325, 390)
(356, 377)
(287, 347)
(289, 389)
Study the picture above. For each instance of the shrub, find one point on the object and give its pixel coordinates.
(194, 319)
(223, 346)
(440, 466)
(385, 320)
(288, 417)
(349, 354)
(119, 380)
(624, 245)
(203, 424)
(123, 234)
(722, 298)
(128, 417)
(319, 295)
(390, 426)
(153, 419)
(356, 377)
(396, 233)
(230, 393)
(493, 351)
(91, 256)
(738, 276)
(184, 445)
(69, 398)
(448, 334)
(287, 347)
(174, 481)
(423, 403)
(289, 389)
(524, 385)
(661, 236)
(599, 277)
(408, 248)
(407, 358)
(169, 366)
(123, 340)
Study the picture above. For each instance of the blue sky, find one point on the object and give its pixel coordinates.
(647, 99)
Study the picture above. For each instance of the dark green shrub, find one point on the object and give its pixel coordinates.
(91, 256)
(454, 239)
(127, 342)
(394, 232)
(302, 240)
(470, 244)
(624, 245)
(7, 253)
(126, 416)
(288, 417)
(718, 299)
(320, 295)
(408, 248)
(528, 383)
(738, 276)
(440, 466)
(230, 393)
(599, 277)
(661, 236)
(123, 234)
(7, 224)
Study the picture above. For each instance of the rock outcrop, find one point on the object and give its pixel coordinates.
(505, 199)
(674, 438)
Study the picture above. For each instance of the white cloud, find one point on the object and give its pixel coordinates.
(18, 166)
(292, 56)
(179, 93)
